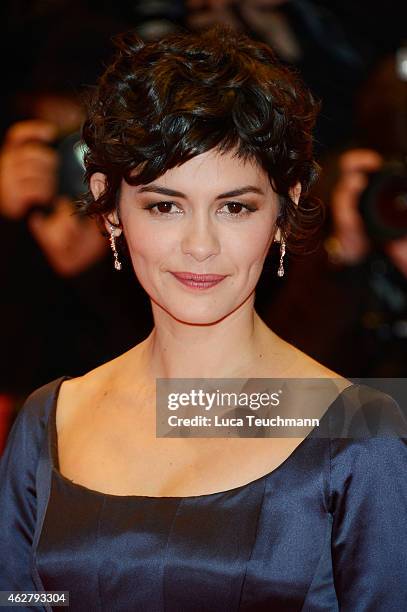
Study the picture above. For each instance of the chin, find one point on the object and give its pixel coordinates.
(193, 315)
(192, 318)
(199, 320)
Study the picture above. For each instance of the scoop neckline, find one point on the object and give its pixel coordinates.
(54, 459)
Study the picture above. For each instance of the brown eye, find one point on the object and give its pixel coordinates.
(237, 210)
(234, 207)
(164, 207)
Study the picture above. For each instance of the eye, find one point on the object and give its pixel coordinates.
(238, 209)
(167, 208)
(162, 208)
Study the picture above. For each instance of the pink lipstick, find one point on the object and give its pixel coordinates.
(198, 281)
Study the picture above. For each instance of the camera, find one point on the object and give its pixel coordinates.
(383, 204)
(71, 179)
(71, 172)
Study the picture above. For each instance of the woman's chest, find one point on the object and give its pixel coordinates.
(256, 547)
(129, 459)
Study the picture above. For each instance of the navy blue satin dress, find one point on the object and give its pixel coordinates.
(324, 531)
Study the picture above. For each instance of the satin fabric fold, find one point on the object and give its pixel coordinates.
(324, 531)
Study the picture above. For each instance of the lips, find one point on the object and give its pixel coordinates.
(199, 278)
(198, 281)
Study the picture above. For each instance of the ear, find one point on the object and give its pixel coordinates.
(295, 192)
(97, 184)
(97, 187)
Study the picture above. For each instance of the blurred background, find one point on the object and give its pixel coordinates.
(63, 308)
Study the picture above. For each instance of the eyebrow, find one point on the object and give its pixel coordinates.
(178, 194)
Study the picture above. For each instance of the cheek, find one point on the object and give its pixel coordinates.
(255, 245)
(147, 247)
(246, 253)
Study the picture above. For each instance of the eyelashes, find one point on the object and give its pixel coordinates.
(234, 209)
(154, 208)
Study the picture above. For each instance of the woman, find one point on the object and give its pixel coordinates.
(199, 157)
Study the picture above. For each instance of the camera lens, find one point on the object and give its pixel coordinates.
(71, 169)
(383, 205)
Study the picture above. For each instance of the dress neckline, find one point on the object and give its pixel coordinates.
(54, 459)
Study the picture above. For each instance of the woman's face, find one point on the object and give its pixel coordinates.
(213, 215)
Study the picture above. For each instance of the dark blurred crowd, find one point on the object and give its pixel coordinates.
(64, 309)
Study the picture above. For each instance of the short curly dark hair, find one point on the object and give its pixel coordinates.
(161, 103)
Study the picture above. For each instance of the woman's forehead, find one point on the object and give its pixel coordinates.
(213, 168)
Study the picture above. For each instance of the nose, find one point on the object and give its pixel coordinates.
(200, 239)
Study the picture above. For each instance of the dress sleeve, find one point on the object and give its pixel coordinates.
(369, 507)
(18, 503)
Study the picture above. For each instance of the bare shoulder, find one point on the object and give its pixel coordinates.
(310, 387)
(297, 364)
(305, 366)
(87, 390)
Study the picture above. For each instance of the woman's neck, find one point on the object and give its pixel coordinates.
(228, 348)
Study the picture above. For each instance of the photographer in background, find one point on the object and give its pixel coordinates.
(383, 312)
(352, 312)
(356, 291)
(350, 243)
(64, 309)
(28, 182)
(369, 212)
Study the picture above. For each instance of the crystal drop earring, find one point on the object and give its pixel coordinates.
(117, 263)
(280, 270)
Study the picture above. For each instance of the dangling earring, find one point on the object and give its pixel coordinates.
(280, 270)
(117, 264)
